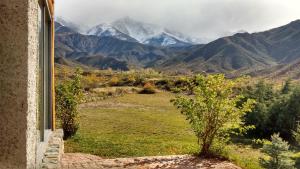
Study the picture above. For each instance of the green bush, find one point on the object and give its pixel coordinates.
(213, 111)
(68, 96)
(279, 154)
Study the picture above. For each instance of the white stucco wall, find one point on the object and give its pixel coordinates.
(18, 99)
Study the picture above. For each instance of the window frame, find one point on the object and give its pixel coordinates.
(45, 107)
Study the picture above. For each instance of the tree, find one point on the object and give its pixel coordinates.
(279, 153)
(285, 114)
(264, 95)
(68, 96)
(213, 111)
(296, 134)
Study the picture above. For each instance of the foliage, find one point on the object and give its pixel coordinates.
(114, 81)
(278, 151)
(287, 88)
(285, 113)
(264, 96)
(213, 111)
(244, 156)
(91, 80)
(275, 111)
(68, 96)
(148, 88)
(296, 134)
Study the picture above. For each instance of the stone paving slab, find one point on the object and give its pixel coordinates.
(87, 161)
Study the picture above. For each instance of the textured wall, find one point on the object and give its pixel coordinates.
(18, 60)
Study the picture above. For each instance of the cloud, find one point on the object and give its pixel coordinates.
(200, 18)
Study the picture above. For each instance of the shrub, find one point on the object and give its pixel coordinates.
(148, 89)
(213, 111)
(163, 84)
(287, 88)
(280, 156)
(296, 134)
(68, 96)
(114, 81)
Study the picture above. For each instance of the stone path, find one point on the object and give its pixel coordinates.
(86, 161)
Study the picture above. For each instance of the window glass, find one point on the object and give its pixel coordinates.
(44, 71)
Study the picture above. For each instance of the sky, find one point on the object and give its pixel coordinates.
(208, 19)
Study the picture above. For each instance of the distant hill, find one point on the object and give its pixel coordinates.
(244, 52)
(269, 52)
(102, 62)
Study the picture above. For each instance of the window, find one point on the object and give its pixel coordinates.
(44, 75)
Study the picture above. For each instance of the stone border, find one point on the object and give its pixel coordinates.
(55, 149)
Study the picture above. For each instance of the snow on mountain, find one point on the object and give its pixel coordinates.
(105, 30)
(138, 30)
(144, 33)
(69, 24)
(165, 39)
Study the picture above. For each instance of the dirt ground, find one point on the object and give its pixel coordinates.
(86, 161)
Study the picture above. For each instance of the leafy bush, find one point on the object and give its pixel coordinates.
(213, 111)
(148, 89)
(68, 96)
(278, 151)
(114, 81)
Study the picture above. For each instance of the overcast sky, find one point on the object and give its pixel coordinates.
(199, 18)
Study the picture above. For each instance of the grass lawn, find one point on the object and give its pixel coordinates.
(133, 125)
(142, 125)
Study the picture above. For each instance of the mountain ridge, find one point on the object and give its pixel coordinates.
(241, 53)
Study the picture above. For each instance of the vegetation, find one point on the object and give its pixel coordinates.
(132, 125)
(68, 96)
(116, 121)
(213, 112)
(296, 134)
(276, 111)
(280, 156)
(148, 89)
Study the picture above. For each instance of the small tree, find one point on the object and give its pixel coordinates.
(213, 111)
(296, 134)
(279, 153)
(68, 96)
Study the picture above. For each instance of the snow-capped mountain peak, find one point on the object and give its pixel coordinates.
(126, 28)
(107, 30)
(71, 25)
(138, 30)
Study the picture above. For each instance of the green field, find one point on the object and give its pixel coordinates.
(132, 125)
(142, 125)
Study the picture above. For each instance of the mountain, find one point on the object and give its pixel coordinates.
(106, 30)
(74, 46)
(244, 52)
(165, 39)
(102, 62)
(71, 25)
(145, 33)
(275, 51)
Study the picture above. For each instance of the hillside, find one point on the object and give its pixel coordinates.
(72, 45)
(243, 53)
(246, 52)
